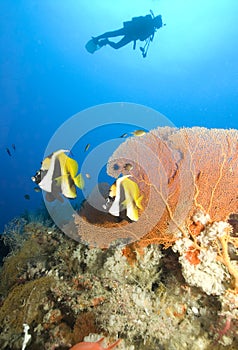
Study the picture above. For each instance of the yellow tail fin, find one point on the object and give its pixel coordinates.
(79, 181)
(138, 202)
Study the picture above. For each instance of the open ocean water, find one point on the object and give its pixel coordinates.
(190, 76)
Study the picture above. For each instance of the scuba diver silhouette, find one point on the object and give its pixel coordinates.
(141, 28)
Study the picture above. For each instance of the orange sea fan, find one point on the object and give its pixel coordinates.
(178, 171)
(192, 169)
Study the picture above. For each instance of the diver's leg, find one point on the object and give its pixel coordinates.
(111, 34)
(124, 41)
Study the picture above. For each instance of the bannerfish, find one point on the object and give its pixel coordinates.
(58, 175)
(124, 194)
(8, 152)
(139, 132)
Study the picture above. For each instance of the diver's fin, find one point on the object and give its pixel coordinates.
(92, 46)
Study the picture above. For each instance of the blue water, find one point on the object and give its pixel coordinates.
(190, 76)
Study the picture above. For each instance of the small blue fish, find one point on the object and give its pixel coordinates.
(86, 147)
(8, 151)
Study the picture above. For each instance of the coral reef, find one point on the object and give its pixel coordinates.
(188, 178)
(175, 286)
(190, 187)
(81, 294)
